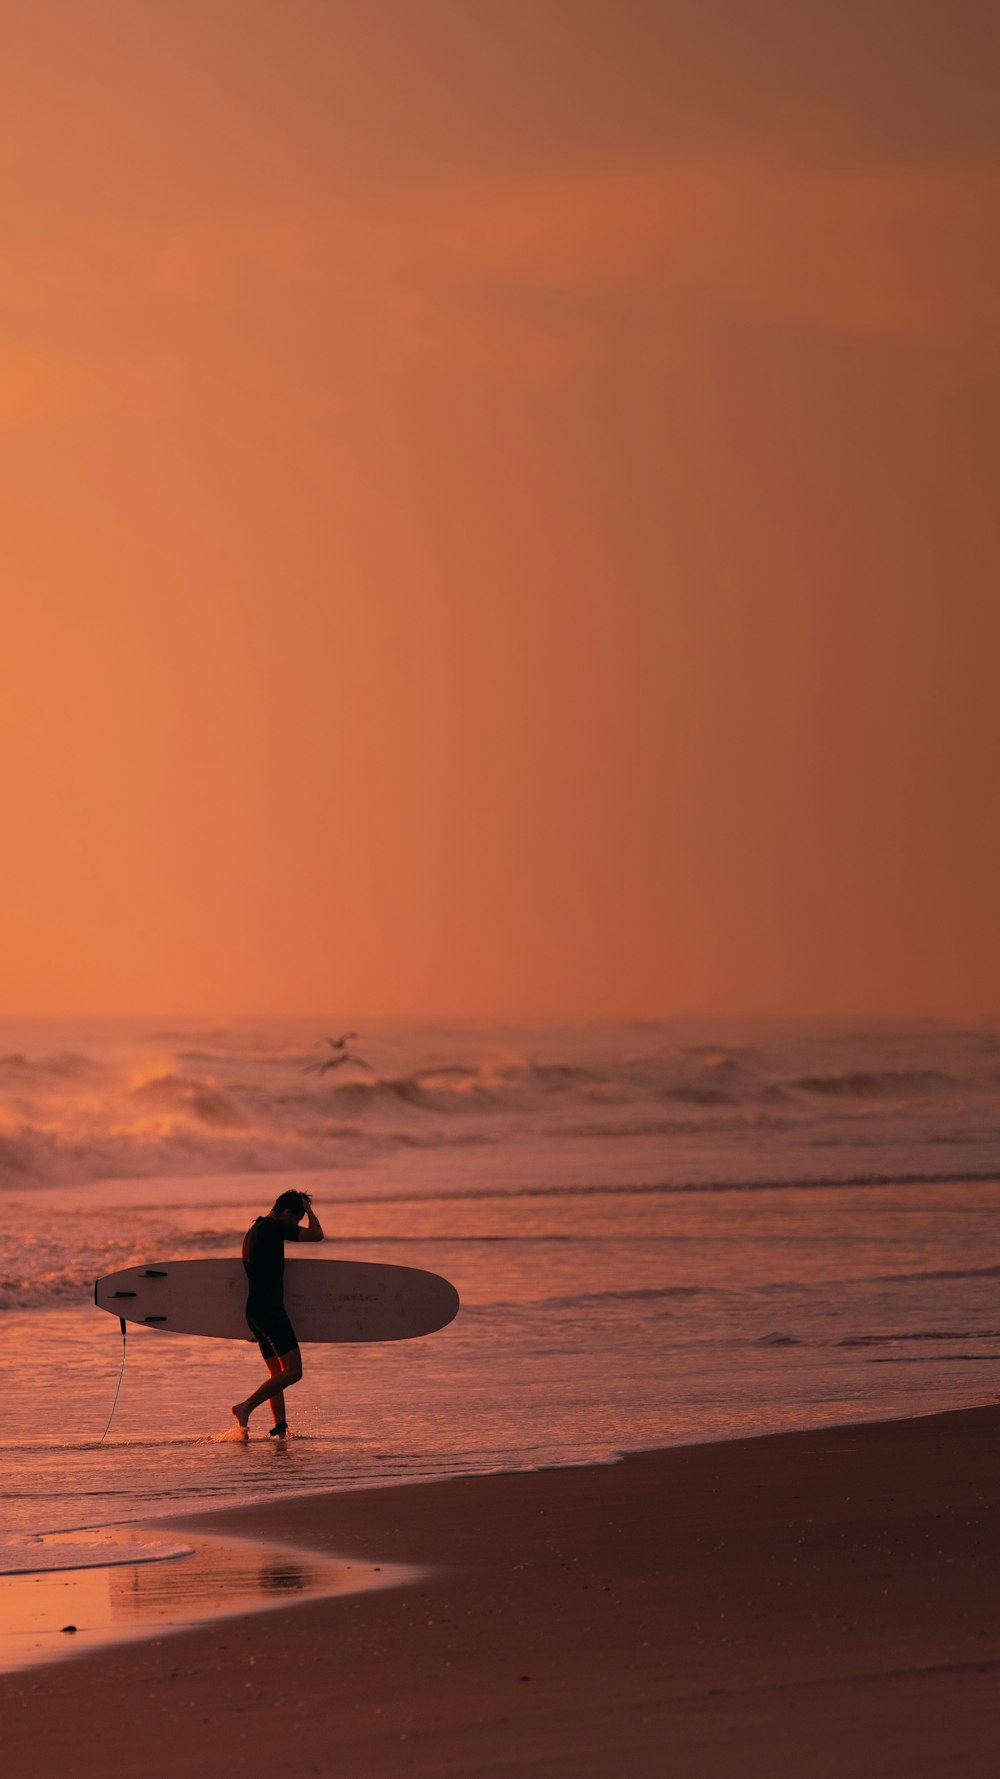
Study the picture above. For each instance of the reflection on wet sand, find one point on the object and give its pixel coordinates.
(283, 1578)
(57, 1613)
(221, 1577)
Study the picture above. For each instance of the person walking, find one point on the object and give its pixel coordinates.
(267, 1317)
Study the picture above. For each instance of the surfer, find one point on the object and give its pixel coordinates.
(267, 1318)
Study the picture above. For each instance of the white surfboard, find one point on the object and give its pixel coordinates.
(327, 1300)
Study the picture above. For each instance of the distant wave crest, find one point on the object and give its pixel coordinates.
(220, 1103)
(873, 1084)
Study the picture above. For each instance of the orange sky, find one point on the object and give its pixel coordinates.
(497, 507)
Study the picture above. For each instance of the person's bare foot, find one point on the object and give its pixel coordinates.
(242, 1414)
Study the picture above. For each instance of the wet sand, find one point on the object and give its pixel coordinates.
(800, 1605)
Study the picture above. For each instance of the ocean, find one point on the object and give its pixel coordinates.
(661, 1233)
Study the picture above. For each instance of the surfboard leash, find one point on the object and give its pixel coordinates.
(121, 1374)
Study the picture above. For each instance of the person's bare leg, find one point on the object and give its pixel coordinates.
(277, 1402)
(290, 1372)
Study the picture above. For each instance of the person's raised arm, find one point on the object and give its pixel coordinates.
(313, 1231)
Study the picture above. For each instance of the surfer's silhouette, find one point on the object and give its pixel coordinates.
(267, 1318)
(341, 1055)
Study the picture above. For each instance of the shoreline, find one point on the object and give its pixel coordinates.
(799, 1599)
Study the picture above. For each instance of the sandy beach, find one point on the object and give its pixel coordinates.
(806, 1603)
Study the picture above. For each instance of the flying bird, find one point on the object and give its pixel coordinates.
(341, 1055)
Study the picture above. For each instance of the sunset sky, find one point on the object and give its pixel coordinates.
(498, 507)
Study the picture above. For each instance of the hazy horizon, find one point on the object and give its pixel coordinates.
(210, 1019)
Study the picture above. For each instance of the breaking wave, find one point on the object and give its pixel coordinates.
(261, 1101)
(881, 1084)
(177, 1094)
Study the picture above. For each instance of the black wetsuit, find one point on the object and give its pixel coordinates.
(264, 1260)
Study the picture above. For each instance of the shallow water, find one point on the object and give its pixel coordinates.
(118, 1588)
(660, 1234)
